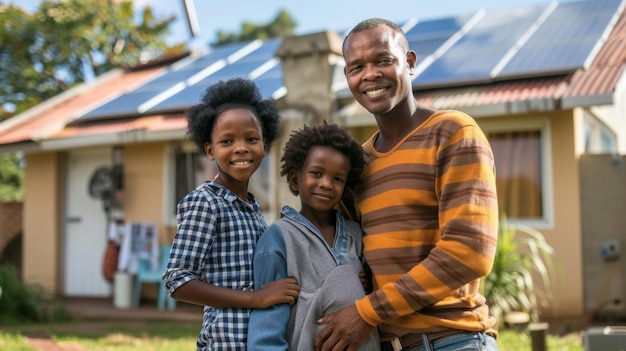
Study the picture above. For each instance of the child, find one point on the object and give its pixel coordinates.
(317, 245)
(219, 223)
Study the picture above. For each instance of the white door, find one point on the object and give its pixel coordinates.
(85, 227)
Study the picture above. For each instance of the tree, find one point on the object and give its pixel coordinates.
(11, 178)
(65, 42)
(283, 25)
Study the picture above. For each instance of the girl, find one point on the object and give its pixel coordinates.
(219, 223)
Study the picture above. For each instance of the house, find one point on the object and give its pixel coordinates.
(546, 82)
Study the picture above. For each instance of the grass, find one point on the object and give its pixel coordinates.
(511, 340)
(181, 336)
(106, 335)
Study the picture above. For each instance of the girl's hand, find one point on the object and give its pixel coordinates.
(279, 291)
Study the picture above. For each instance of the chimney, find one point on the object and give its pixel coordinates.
(308, 63)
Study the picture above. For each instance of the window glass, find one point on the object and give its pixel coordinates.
(598, 138)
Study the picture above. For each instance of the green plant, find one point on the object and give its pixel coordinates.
(22, 302)
(523, 256)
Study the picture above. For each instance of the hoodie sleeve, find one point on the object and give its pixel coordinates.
(267, 329)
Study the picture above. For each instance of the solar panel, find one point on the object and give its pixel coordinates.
(566, 40)
(242, 67)
(474, 55)
(129, 104)
(271, 83)
(427, 36)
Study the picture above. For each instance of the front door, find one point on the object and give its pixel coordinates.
(85, 227)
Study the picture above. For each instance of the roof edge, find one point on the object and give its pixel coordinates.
(57, 99)
(120, 138)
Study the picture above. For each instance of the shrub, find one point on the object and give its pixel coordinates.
(20, 302)
(522, 256)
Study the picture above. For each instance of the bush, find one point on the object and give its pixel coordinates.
(20, 302)
(522, 256)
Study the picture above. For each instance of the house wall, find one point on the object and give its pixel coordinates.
(41, 236)
(566, 236)
(603, 180)
(144, 172)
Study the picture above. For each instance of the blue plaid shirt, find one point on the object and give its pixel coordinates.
(215, 239)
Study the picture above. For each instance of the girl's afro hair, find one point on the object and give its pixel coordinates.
(225, 95)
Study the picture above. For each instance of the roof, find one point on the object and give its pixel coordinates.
(515, 60)
(50, 118)
(586, 86)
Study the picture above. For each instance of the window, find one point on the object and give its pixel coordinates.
(191, 169)
(598, 138)
(521, 154)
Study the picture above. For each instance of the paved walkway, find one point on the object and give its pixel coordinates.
(45, 343)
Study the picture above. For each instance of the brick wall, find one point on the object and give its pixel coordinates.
(10, 222)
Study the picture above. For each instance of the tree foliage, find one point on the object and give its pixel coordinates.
(65, 42)
(11, 178)
(281, 26)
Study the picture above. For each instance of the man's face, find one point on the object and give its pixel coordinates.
(378, 68)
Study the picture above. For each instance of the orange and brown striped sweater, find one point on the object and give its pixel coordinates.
(429, 211)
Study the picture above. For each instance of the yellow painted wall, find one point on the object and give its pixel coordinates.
(144, 173)
(41, 235)
(566, 237)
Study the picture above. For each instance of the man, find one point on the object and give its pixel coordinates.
(427, 205)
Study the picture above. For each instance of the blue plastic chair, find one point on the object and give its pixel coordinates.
(145, 274)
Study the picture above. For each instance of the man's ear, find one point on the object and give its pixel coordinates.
(411, 60)
(208, 150)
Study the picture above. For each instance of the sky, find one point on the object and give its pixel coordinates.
(311, 16)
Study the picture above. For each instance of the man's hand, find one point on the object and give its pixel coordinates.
(344, 330)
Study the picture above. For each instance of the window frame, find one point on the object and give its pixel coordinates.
(546, 221)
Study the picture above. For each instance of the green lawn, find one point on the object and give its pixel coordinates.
(510, 340)
(181, 336)
(107, 335)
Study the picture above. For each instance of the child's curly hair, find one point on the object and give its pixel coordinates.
(303, 140)
(225, 95)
